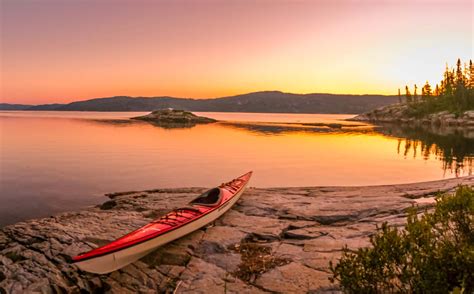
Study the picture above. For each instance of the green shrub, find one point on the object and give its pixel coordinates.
(434, 253)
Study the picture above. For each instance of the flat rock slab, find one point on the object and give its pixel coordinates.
(272, 240)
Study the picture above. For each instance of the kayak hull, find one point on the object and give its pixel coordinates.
(112, 261)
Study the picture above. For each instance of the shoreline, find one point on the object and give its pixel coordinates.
(300, 229)
(397, 114)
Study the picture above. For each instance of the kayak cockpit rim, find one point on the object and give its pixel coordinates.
(210, 198)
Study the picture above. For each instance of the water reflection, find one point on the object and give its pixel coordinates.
(454, 147)
(126, 122)
(262, 128)
(288, 128)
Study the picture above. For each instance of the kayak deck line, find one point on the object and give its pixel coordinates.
(176, 211)
(173, 225)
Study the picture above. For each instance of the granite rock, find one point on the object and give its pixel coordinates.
(301, 228)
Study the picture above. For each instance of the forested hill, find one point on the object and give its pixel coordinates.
(270, 101)
(7, 106)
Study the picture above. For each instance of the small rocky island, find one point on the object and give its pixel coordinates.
(174, 116)
(274, 240)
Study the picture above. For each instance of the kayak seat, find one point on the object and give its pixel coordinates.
(208, 198)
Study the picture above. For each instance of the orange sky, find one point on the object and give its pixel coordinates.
(60, 50)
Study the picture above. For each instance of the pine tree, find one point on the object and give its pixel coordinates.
(466, 74)
(436, 92)
(427, 89)
(408, 95)
(448, 81)
(399, 96)
(442, 87)
(459, 75)
(415, 95)
(471, 75)
(461, 99)
(470, 86)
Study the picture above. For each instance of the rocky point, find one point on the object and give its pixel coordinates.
(277, 240)
(396, 113)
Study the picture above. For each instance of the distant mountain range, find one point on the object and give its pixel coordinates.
(268, 101)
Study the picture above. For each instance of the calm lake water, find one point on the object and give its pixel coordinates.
(58, 161)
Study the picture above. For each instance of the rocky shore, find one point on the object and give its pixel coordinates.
(174, 116)
(396, 113)
(273, 240)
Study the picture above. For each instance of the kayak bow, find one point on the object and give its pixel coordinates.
(177, 223)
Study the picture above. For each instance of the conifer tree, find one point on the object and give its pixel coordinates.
(427, 89)
(471, 75)
(436, 92)
(399, 96)
(442, 87)
(448, 81)
(415, 95)
(408, 95)
(466, 74)
(459, 74)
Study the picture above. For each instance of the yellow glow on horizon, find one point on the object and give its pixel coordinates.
(66, 51)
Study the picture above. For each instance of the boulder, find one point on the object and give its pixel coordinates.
(469, 114)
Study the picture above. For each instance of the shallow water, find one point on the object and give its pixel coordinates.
(57, 161)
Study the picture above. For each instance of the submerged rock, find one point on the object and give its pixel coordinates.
(272, 240)
(174, 116)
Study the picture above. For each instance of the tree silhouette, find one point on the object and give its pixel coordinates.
(408, 95)
(415, 95)
(460, 81)
(426, 92)
(455, 93)
(471, 75)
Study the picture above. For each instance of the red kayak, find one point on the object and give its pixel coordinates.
(175, 224)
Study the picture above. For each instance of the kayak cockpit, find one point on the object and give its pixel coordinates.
(209, 198)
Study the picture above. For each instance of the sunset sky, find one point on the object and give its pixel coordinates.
(66, 50)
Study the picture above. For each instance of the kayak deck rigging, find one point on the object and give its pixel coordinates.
(167, 220)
